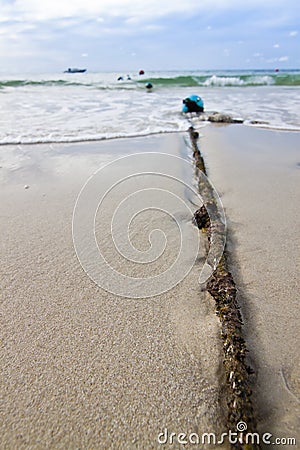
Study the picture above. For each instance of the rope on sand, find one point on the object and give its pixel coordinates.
(222, 288)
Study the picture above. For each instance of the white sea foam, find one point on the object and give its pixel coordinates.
(72, 108)
(214, 80)
(255, 80)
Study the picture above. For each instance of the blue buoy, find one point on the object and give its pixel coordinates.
(193, 103)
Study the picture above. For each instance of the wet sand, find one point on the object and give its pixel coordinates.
(256, 172)
(81, 367)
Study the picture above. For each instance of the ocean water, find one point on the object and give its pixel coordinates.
(64, 107)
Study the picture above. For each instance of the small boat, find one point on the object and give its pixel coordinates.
(74, 70)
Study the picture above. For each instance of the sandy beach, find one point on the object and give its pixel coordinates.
(80, 367)
(83, 368)
(149, 215)
(256, 172)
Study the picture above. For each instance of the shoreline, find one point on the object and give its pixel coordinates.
(205, 123)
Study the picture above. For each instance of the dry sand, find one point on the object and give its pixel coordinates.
(256, 172)
(80, 367)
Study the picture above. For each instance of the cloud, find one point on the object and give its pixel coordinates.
(283, 58)
(33, 10)
(164, 33)
(36, 10)
(8, 28)
(280, 59)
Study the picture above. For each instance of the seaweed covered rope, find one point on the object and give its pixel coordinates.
(222, 288)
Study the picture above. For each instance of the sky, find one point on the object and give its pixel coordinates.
(124, 35)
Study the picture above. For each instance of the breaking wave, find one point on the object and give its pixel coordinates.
(167, 80)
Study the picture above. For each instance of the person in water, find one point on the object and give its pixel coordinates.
(149, 87)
